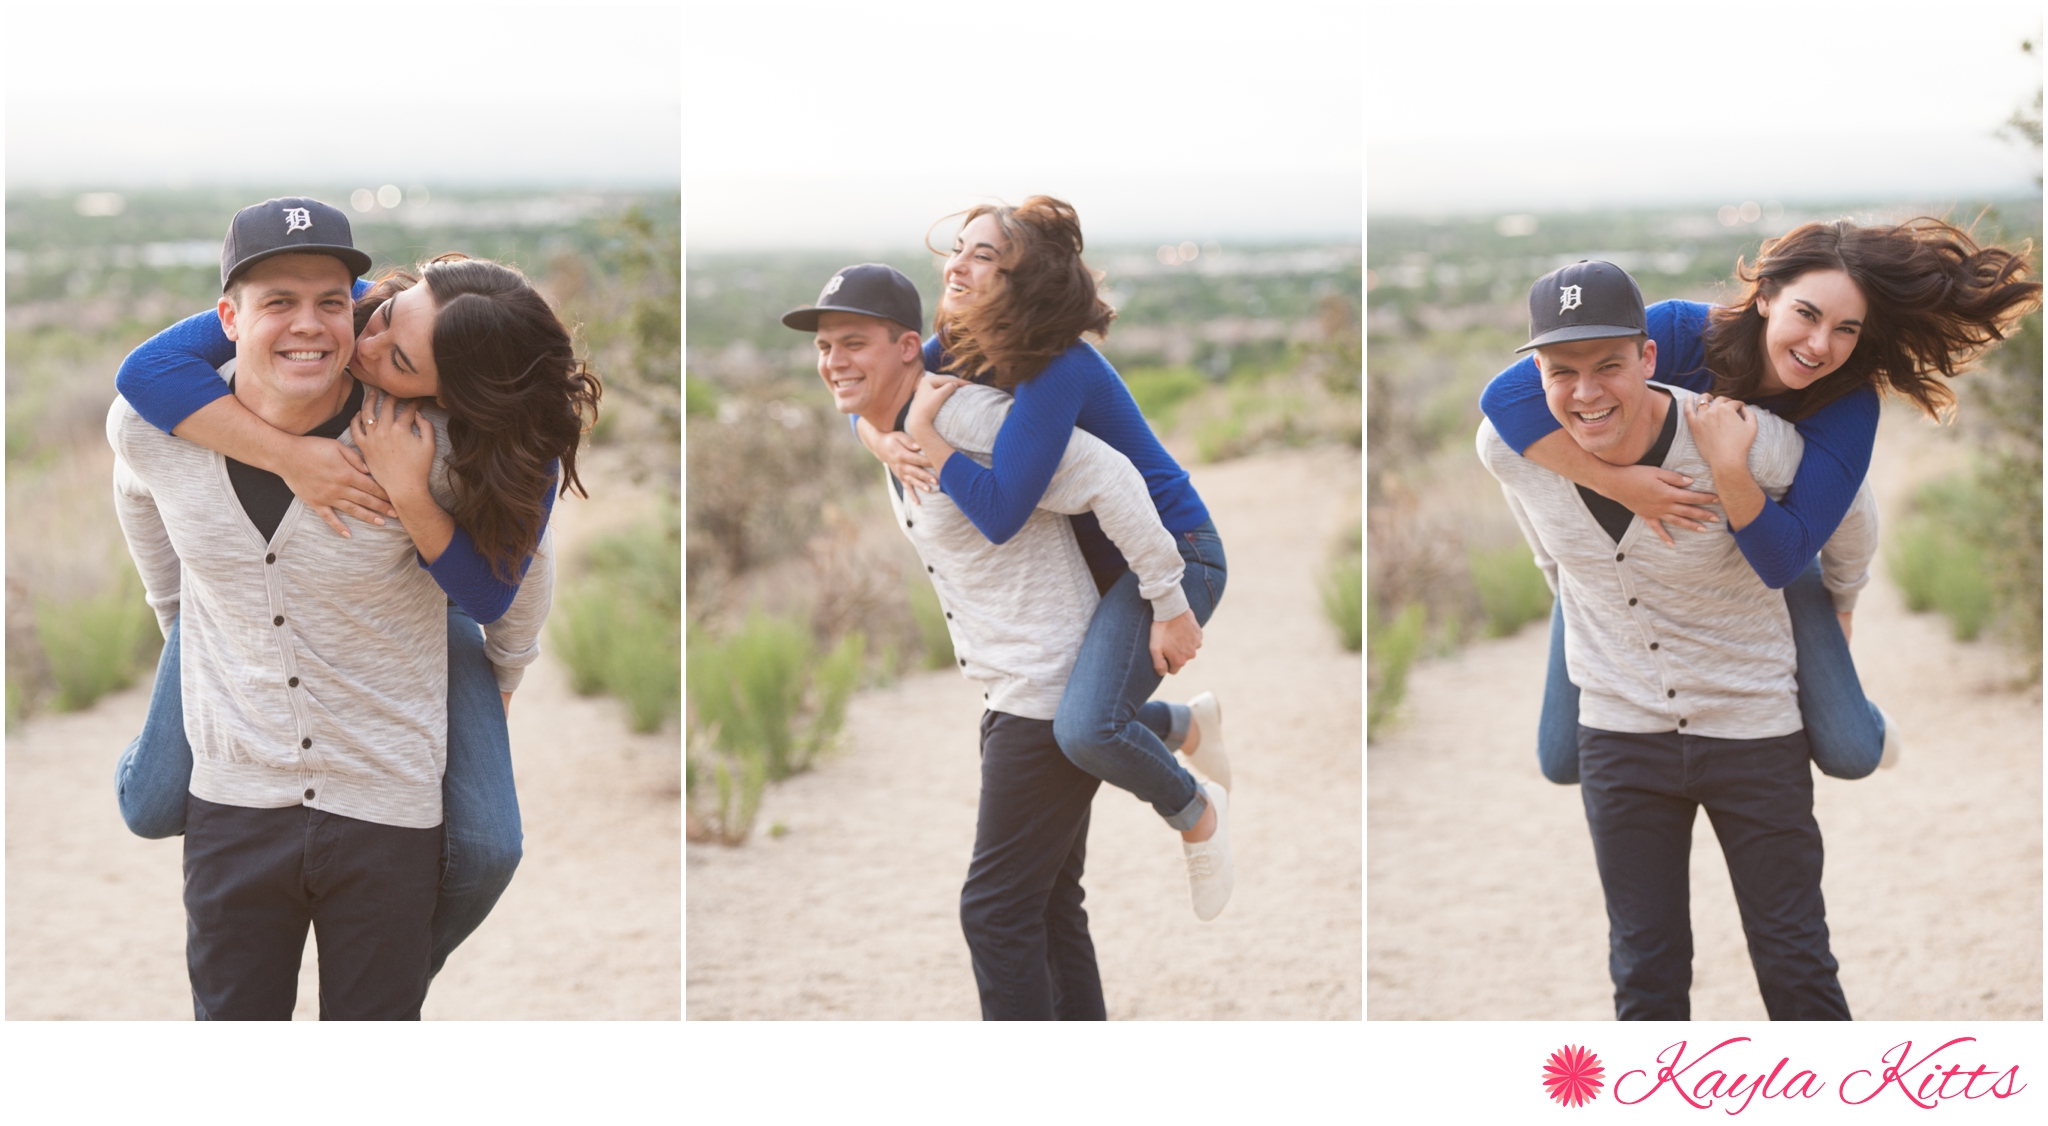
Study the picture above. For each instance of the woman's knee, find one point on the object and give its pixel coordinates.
(484, 862)
(1087, 741)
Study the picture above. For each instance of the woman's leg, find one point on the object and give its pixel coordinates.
(1842, 726)
(1105, 725)
(1557, 729)
(155, 772)
(480, 808)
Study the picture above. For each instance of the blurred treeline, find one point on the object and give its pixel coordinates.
(799, 584)
(91, 275)
(1446, 307)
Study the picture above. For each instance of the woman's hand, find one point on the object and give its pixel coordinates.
(326, 475)
(1661, 498)
(1844, 619)
(1723, 429)
(397, 444)
(904, 458)
(932, 393)
(1174, 643)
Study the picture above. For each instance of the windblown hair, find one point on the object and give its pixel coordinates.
(1937, 302)
(517, 398)
(1043, 300)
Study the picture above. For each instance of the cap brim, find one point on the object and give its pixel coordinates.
(806, 319)
(357, 262)
(1580, 332)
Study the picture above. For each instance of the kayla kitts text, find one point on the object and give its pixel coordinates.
(1720, 1077)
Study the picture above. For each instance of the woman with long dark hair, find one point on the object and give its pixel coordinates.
(1830, 317)
(1017, 300)
(466, 345)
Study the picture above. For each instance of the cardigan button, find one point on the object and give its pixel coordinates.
(277, 621)
(1631, 601)
(309, 795)
(1653, 645)
(1681, 723)
(271, 558)
(1619, 556)
(305, 744)
(292, 683)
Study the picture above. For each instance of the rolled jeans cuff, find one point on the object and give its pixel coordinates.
(1184, 820)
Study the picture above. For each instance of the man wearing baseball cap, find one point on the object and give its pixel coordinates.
(313, 667)
(1683, 658)
(1017, 613)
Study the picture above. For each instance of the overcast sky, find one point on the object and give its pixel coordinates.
(117, 96)
(1538, 106)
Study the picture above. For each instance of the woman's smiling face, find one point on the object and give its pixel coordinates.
(1811, 327)
(395, 352)
(977, 252)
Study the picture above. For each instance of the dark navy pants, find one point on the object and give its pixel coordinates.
(1640, 794)
(255, 879)
(1021, 906)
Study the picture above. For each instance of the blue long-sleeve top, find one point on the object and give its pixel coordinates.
(176, 372)
(1078, 388)
(1786, 535)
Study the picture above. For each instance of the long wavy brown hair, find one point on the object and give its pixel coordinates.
(517, 397)
(1043, 300)
(1937, 302)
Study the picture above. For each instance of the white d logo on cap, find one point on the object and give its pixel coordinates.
(297, 219)
(1568, 299)
(832, 287)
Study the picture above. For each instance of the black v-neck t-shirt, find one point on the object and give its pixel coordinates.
(264, 495)
(1613, 515)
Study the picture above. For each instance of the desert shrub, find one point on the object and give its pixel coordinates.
(931, 624)
(766, 693)
(618, 628)
(1344, 593)
(1511, 589)
(94, 645)
(1392, 649)
(1939, 559)
(1160, 390)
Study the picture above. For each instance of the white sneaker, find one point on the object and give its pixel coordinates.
(1210, 873)
(1893, 741)
(1209, 757)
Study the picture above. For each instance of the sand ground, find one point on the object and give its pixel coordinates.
(853, 912)
(589, 929)
(1483, 902)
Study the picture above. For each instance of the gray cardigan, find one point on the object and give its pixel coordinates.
(1019, 611)
(314, 668)
(1683, 638)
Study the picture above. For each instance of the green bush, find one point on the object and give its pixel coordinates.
(619, 629)
(1392, 651)
(94, 645)
(1511, 588)
(766, 694)
(1938, 557)
(1160, 390)
(1344, 596)
(931, 625)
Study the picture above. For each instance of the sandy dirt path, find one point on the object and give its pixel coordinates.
(589, 929)
(1483, 902)
(853, 913)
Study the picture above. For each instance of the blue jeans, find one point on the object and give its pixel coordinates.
(1842, 726)
(1105, 725)
(480, 808)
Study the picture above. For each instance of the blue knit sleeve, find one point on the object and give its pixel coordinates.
(1028, 448)
(1787, 534)
(175, 372)
(934, 354)
(465, 576)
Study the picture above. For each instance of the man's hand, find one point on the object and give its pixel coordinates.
(326, 475)
(1174, 643)
(1661, 498)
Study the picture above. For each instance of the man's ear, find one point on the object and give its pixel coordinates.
(1650, 356)
(911, 348)
(226, 312)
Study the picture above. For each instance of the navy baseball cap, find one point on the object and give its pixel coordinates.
(290, 225)
(870, 289)
(1586, 300)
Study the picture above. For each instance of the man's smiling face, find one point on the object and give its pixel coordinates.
(292, 321)
(1599, 391)
(863, 360)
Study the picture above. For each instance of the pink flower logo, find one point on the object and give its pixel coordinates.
(1572, 1076)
